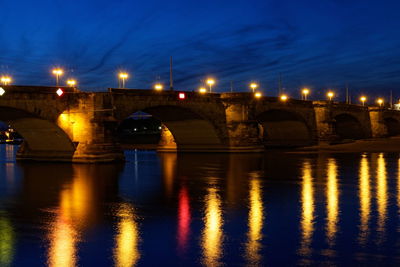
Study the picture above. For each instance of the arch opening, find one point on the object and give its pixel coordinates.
(392, 126)
(281, 128)
(176, 128)
(42, 139)
(347, 126)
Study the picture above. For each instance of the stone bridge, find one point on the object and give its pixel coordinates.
(80, 126)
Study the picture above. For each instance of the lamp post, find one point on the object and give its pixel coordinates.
(253, 86)
(363, 99)
(284, 98)
(5, 80)
(330, 95)
(202, 90)
(58, 72)
(71, 82)
(210, 83)
(158, 86)
(380, 102)
(122, 77)
(305, 93)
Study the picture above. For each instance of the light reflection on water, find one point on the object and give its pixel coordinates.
(212, 236)
(208, 210)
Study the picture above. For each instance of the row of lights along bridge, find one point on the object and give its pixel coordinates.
(123, 76)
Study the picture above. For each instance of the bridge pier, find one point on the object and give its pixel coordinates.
(378, 126)
(324, 122)
(243, 130)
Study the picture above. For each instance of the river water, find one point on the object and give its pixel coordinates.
(202, 209)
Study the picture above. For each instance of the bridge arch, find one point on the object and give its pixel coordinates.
(188, 129)
(392, 126)
(280, 127)
(43, 139)
(347, 126)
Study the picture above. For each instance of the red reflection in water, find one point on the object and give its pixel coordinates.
(183, 219)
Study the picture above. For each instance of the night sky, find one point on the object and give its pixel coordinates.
(320, 44)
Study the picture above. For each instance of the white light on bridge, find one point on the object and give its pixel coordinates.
(210, 83)
(158, 86)
(202, 90)
(253, 86)
(58, 72)
(305, 93)
(71, 82)
(363, 99)
(182, 96)
(330, 95)
(2, 91)
(59, 92)
(5, 80)
(122, 77)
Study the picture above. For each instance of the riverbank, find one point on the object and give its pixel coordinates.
(391, 144)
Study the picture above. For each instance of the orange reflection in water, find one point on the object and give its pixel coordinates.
(332, 205)
(169, 171)
(126, 252)
(381, 196)
(255, 221)
(74, 213)
(63, 243)
(212, 236)
(365, 199)
(308, 207)
(183, 219)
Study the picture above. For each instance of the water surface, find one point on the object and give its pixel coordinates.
(201, 209)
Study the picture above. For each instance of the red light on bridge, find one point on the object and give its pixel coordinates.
(182, 96)
(59, 92)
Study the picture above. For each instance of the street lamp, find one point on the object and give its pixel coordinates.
(257, 94)
(284, 98)
(71, 82)
(58, 72)
(380, 102)
(305, 93)
(202, 90)
(363, 99)
(158, 86)
(5, 80)
(253, 86)
(330, 95)
(122, 77)
(210, 83)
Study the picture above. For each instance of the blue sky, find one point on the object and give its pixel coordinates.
(320, 44)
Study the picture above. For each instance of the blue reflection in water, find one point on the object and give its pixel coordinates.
(202, 210)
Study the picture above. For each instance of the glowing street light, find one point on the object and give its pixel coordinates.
(380, 102)
(363, 99)
(210, 83)
(71, 82)
(122, 77)
(158, 86)
(284, 97)
(202, 90)
(330, 95)
(58, 72)
(305, 93)
(253, 86)
(5, 80)
(257, 94)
